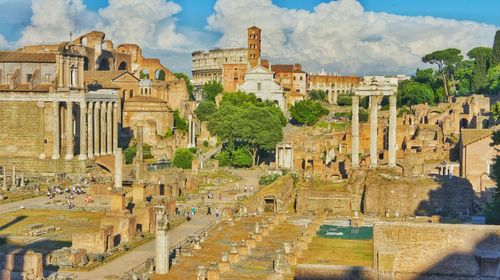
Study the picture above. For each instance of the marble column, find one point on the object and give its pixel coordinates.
(80, 74)
(60, 71)
(4, 168)
(69, 131)
(373, 130)
(14, 175)
(115, 126)
(161, 250)
(103, 129)
(57, 131)
(83, 131)
(97, 134)
(355, 132)
(67, 78)
(118, 168)
(392, 130)
(190, 131)
(90, 130)
(109, 127)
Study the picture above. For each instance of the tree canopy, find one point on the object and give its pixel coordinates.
(411, 93)
(496, 49)
(318, 95)
(307, 112)
(179, 122)
(446, 60)
(482, 58)
(493, 80)
(492, 210)
(205, 109)
(211, 89)
(242, 121)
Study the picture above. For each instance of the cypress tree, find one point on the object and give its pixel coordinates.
(496, 49)
(482, 58)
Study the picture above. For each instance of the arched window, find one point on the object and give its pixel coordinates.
(72, 76)
(160, 75)
(85, 63)
(104, 65)
(84, 41)
(131, 93)
(122, 66)
(144, 74)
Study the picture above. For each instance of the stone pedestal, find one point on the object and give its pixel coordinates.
(234, 256)
(224, 265)
(258, 236)
(201, 274)
(243, 249)
(213, 272)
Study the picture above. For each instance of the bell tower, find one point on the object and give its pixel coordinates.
(253, 45)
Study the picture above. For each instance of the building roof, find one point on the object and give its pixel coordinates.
(470, 136)
(15, 56)
(104, 78)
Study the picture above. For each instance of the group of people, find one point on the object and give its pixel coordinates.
(69, 193)
(245, 188)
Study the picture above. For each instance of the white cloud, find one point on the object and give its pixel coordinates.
(150, 24)
(341, 36)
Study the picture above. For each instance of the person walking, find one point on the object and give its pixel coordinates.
(209, 211)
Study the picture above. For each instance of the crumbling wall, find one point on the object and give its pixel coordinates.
(436, 251)
(98, 242)
(380, 193)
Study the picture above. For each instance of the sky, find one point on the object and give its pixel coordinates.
(341, 36)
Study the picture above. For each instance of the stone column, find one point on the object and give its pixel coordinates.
(80, 73)
(60, 71)
(355, 132)
(83, 131)
(69, 131)
(57, 131)
(103, 129)
(97, 150)
(162, 252)
(90, 130)
(118, 168)
(392, 130)
(66, 73)
(4, 168)
(335, 97)
(373, 130)
(109, 127)
(115, 126)
(139, 155)
(14, 175)
(190, 131)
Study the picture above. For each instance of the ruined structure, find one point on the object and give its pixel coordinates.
(333, 85)
(162, 249)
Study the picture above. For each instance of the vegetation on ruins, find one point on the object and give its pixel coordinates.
(243, 122)
(189, 85)
(205, 109)
(344, 100)
(318, 95)
(211, 89)
(179, 122)
(130, 152)
(183, 158)
(493, 79)
(308, 112)
(267, 179)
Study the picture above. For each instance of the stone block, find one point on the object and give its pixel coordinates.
(386, 261)
(213, 272)
(118, 202)
(234, 258)
(488, 265)
(258, 236)
(138, 193)
(436, 219)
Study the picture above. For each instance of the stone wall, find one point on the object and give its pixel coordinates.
(436, 251)
(336, 203)
(22, 125)
(98, 242)
(378, 192)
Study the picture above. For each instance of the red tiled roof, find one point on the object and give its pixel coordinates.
(13, 56)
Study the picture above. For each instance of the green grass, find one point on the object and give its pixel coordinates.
(339, 252)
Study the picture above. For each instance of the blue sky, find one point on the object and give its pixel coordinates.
(195, 12)
(352, 36)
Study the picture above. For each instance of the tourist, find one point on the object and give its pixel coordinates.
(220, 196)
(245, 188)
(193, 210)
(217, 213)
(209, 211)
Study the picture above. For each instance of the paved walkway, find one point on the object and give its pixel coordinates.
(27, 203)
(121, 265)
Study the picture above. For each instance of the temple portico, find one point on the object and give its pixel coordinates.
(375, 89)
(284, 155)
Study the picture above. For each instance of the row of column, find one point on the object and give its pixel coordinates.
(98, 129)
(374, 99)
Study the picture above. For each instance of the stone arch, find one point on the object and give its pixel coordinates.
(485, 124)
(131, 93)
(122, 66)
(464, 123)
(104, 65)
(144, 74)
(160, 75)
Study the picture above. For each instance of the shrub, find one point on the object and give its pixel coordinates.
(344, 100)
(205, 143)
(183, 158)
(268, 179)
(224, 158)
(241, 158)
